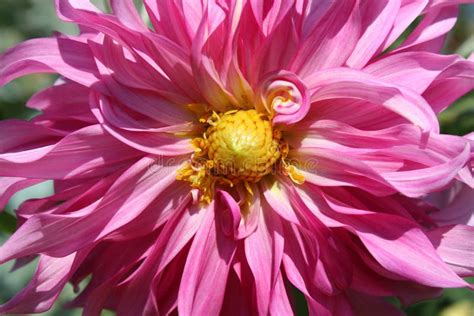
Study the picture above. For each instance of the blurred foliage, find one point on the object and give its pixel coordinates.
(24, 19)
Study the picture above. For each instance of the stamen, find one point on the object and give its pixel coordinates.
(239, 146)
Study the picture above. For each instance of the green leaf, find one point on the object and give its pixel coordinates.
(7, 222)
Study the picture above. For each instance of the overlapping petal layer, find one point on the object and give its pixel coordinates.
(385, 206)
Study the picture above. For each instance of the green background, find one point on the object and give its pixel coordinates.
(23, 19)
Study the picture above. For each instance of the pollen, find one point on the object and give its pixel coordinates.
(239, 146)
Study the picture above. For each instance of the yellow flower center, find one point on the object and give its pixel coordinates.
(238, 146)
(243, 146)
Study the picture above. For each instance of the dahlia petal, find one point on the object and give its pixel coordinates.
(68, 99)
(265, 54)
(312, 13)
(126, 12)
(164, 140)
(299, 261)
(110, 113)
(332, 273)
(206, 270)
(370, 280)
(268, 18)
(414, 70)
(444, 155)
(9, 186)
(174, 61)
(39, 295)
(429, 35)
(326, 167)
(442, 3)
(278, 200)
(156, 215)
(264, 252)
(455, 205)
(237, 302)
(132, 68)
(347, 83)
(230, 225)
(331, 40)
(91, 147)
(207, 76)
(325, 305)
(176, 233)
(289, 111)
(168, 20)
(17, 135)
(107, 274)
(68, 57)
(116, 128)
(450, 85)
(50, 233)
(165, 297)
(157, 144)
(409, 11)
(455, 245)
(410, 254)
(87, 15)
(416, 183)
(368, 305)
(377, 20)
(147, 103)
(279, 303)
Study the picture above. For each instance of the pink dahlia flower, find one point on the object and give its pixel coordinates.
(233, 149)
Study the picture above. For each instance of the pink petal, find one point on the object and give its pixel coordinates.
(264, 251)
(455, 245)
(50, 233)
(176, 233)
(269, 16)
(331, 39)
(39, 295)
(64, 100)
(414, 70)
(325, 167)
(9, 186)
(91, 147)
(17, 135)
(369, 305)
(409, 11)
(206, 270)
(450, 85)
(442, 3)
(455, 204)
(400, 246)
(279, 303)
(377, 20)
(126, 12)
(346, 83)
(416, 183)
(429, 35)
(68, 57)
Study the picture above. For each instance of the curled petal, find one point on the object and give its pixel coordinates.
(286, 97)
(233, 223)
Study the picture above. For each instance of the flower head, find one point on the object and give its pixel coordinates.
(230, 150)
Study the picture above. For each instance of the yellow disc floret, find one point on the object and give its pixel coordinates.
(238, 146)
(243, 146)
